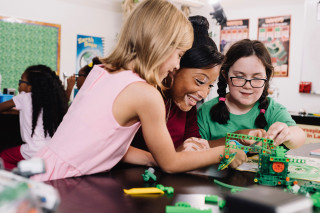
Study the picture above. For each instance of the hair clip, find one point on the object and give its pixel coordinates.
(262, 111)
(222, 99)
(91, 64)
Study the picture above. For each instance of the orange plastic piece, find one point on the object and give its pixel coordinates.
(227, 156)
(295, 182)
(287, 179)
(278, 167)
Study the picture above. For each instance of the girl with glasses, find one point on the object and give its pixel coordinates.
(42, 104)
(246, 109)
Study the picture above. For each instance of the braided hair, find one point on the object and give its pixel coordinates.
(48, 95)
(243, 48)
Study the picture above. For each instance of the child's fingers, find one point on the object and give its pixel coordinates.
(194, 144)
(278, 132)
(281, 137)
(275, 129)
(204, 144)
(240, 158)
(192, 147)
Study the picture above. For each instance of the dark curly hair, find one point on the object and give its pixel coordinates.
(48, 95)
(203, 54)
(243, 48)
(87, 68)
(200, 26)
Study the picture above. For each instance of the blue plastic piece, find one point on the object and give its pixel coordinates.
(5, 97)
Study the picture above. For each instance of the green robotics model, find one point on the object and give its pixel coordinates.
(273, 163)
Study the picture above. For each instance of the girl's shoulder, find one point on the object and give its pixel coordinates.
(274, 105)
(143, 98)
(22, 100)
(22, 95)
(141, 90)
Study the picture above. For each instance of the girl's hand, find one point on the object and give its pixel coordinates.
(239, 159)
(71, 81)
(193, 144)
(252, 132)
(7, 105)
(279, 132)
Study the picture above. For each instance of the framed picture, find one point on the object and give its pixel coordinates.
(233, 31)
(24, 43)
(274, 32)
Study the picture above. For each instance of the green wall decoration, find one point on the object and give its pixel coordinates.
(24, 43)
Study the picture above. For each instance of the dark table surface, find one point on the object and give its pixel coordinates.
(104, 192)
(9, 131)
(306, 119)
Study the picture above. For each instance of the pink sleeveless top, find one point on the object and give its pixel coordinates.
(89, 139)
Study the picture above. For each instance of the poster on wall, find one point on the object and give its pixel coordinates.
(233, 31)
(88, 47)
(274, 32)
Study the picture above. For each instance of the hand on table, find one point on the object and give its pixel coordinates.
(193, 144)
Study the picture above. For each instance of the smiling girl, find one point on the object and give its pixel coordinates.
(246, 71)
(199, 68)
(120, 95)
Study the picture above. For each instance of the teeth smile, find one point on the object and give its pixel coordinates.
(192, 100)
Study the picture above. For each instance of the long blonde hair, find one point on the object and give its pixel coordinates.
(152, 32)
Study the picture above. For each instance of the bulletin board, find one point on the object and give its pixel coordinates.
(24, 43)
(274, 32)
(233, 31)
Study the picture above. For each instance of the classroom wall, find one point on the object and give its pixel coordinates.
(288, 87)
(103, 18)
(94, 18)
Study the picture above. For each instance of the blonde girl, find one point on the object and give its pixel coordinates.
(121, 95)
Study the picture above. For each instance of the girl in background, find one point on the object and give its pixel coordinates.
(120, 95)
(246, 109)
(80, 77)
(84, 72)
(42, 104)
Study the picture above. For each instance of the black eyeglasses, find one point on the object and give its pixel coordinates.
(22, 81)
(255, 83)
